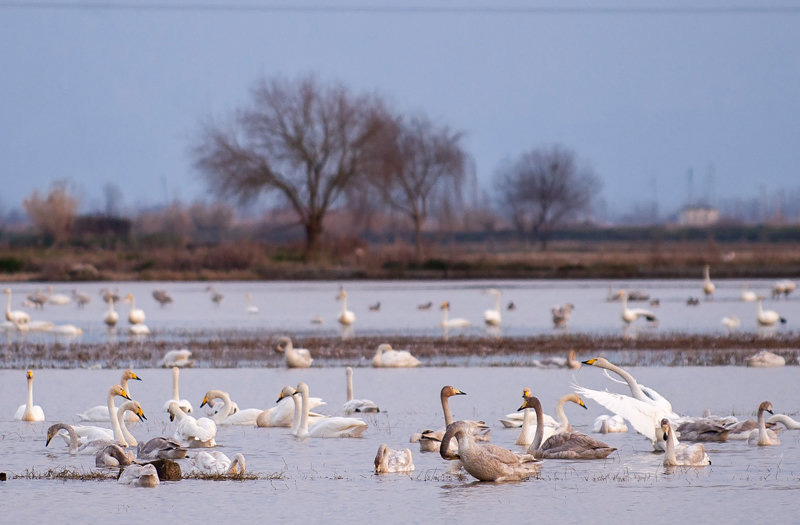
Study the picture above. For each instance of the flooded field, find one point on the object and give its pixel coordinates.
(330, 479)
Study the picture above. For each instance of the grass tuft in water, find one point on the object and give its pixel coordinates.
(66, 474)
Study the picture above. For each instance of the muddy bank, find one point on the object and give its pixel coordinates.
(227, 350)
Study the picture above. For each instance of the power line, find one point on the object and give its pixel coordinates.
(744, 9)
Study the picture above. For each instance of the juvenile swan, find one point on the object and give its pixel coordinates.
(112, 456)
(680, 454)
(763, 436)
(160, 448)
(29, 411)
(390, 460)
(139, 476)
(485, 461)
(430, 440)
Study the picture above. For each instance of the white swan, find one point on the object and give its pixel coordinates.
(708, 286)
(135, 315)
(328, 427)
(185, 405)
(139, 476)
(784, 287)
(385, 357)
(191, 432)
(356, 405)
(217, 463)
(731, 322)
(112, 317)
(492, 317)
(788, 422)
(767, 317)
(606, 424)
(247, 416)
(18, 317)
(561, 314)
(29, 411)
(527, 434)
(346, 317)
(762, 436)
(179, 358)
(281, 415)
(681, 454)
(748, 295)
(138, 329)
(100, 412)
(89, 433)
(390, 460)
(58, 299)
(765, 359)
(251, 309)
(458, 322)
(295, 357)
(644, 409)
(630, 315)
(68, 330)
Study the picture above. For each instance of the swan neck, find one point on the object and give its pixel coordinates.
(175, 373)
(561, 416)
(448, 417)
(669, 456)
(296, 418)
(304, 420)
(349, 386)
(497, 303)
(129, 439)
(29, 404)
(762, 426)
(636, 390)
(537, 439)
(114, 421)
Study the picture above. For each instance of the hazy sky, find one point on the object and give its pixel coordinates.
(118, 95)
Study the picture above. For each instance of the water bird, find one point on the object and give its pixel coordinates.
(785, 420)
(29, 411)
(765, 359)
(281, 415)
(184, 404)
(425, 306)
(762, 436)
(81, 299)
(681, 454)
(375, 307)
(748, 295)
(139, 476)
(107, 295)
(561, 314)
(251, 308)
(160, 448)
(703, 429)
(429, 440)
(511, 306)
(692, 301)
(295, 357)
(179, 358)
(346, 317)
(386, 357)
(38, 299)
(767, 317)
(329, 427)
(492, 317)
(138, 329)
(18, 317)
(607, 424)
(551, 426)
(630, 315)
(356, 405)
(215, 462)
(112, 456)
(216, 297)
(135, 315)
(162, 297)
(245, 416)
(708, 286)
(731, 322)
(389, 460)
(783, 287)
(457, 322)
(57, 299)
(191, 432)
(112, 317)
(100, 412)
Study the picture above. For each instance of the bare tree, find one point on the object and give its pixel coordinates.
(417, 159)
(300, 139)
(545, 188)
(54, 214)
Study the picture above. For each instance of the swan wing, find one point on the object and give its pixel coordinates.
(644, 417)
(248, 416)
(338, 427)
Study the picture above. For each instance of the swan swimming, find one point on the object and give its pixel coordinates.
(329, 427)
(282, 414)
(430, 440)
(295, 357)
(135, 315)
(680, 454)
(215, 462)
(767, 317)
(248, 416)
(28, 411)
(18, 317)
(630, 315)
(112, 456)
(346, 317)
(185, 405)
(762, 436)
(112, 317)
(160, 448)
(492, 317)
(100, 412)
(765, 359)
(458, 322)
(708, 286)
(606, 424)
(191, 432)
(179, 358)
(356, 405)
(526, 435)
(386, 357)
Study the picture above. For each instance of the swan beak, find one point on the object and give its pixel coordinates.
(460, 393)
(124, 394)
(589, 361)
(524, 405)
(581, 403)
(141, 415)
(771, 412)
(29, 374)
(665, 436)
(47, 443)
(171, 416)
(134, 376)
(204, 403)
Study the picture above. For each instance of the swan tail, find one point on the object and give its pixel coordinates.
(783, 320)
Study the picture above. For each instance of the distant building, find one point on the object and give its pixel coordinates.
(698, 216)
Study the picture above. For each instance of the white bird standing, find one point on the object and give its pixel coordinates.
(328, 427)
(135, 315)
(492, 317)
(29, 411)
(295, 357)
(356, 405)
(385, 357)
(767, 317)
(457, 322)
(708, 286)
(346, 317)
(184, 404)
(629, 315)
(18, 317)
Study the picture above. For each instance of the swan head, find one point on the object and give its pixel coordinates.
(448, 391)
(52, 432)
(7, 290)
(445, 306)
(283, 344)
(117, 390)
(526, 392)
(173, 409)
(341, 295)
(597, 361)
(765, 406)
(134, 407)
(379, 462)
(383, 347)
(286, 392)
(665, 428)
(530, 402)
(29, 375)
(130, 374)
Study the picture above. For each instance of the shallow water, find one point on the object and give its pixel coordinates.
(288, 307)
(331, 479)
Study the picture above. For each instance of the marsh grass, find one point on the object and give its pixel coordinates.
(64, 474)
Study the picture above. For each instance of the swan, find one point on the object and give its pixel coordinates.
(184, 404)
(251, 309)
(328, 427)
(59, 298)
(37, 299)
(680, 454)
(217, 463)
(606, 424)
(492, 317)
(788, 422)
(90, 433)
(430, 440)
(526, 435)
(162, 297)
(100, 412)
(160, 448)
(29, 411)
(69, 433)
(708, 286)
(72, 436)
(216, 297)
(458, 322)
(281, 415)
(390, 460)
(763, 436)
(731, 322)
(135, 315)
(748, 295)
(191, 432)
(129, 406)
(643, 409)
(347, 317)
(485, 461)
(784, 287)
(179, 358)
(386, 357)
(629, 315)
(18, 317)
(112, 456)
(112, 317)
(563, 445)
(356, 405)
(138, 329)
(572, 360)
(295, 357)
(703, 429)
(69, 330)
(108, 295)
(561, 314)
(765, 359)
(767, 317)
(139, 476)
(248, 416)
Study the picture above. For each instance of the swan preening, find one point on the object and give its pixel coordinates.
(191, 432)
(708, 286)
(28, 411)
(767, 317)
(492, 317)
(356, 405)
(328, 427)
(390, 460)
(112, 456)
(295, 357)
(680, 454)
(100, 412)
(215, 462)
(485, 461)
(386, 357)
(346, 317)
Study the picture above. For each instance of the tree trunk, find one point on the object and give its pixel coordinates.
(418, 238)
(313, 229)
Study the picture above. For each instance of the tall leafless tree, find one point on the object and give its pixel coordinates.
(305, 141)
(417, 159)
(543, 189)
